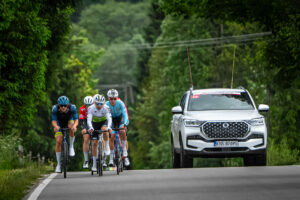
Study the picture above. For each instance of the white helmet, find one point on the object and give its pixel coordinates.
(88, 100)
(98, 98)
(112, 93)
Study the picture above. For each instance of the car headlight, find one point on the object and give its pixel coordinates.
(193, 123)
(256, 122)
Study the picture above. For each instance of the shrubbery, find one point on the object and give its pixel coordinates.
(281, 154)
(9, 151)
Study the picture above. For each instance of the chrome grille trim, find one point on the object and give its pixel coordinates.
(225, 130)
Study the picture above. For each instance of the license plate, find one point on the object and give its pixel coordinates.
(226, 143)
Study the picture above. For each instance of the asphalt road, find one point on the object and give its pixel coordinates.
(183, 184)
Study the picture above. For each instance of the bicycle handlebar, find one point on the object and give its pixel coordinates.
(100, 131)
(118, 129)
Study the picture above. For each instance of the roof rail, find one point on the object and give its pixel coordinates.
(241, 87)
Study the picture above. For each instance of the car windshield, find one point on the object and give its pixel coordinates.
(220, 101)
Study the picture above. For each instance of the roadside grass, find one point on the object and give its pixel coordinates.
(282, 154)
(14, 184)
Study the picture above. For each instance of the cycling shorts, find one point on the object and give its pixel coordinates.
(117, 122)
(62, 125)
(98, 126)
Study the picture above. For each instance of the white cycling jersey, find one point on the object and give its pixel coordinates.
(95, 115)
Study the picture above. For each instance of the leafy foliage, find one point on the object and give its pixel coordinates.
(23, 60)
(117, 26)
(8, 151)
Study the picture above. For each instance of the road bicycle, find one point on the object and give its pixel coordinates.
(65, 151)
(100, 157)
(118, 158)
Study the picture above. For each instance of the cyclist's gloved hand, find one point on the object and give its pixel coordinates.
(74, 129)
(124, 126)
(56, 129)
(91, 130)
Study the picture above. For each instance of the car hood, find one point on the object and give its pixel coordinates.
(223, 115)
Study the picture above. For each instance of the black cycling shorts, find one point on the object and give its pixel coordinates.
(98, 126)
(117, 121)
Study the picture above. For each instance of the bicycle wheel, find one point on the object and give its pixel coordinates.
(91, 165)
(122, 164)
(100, 159)
(117, 156)
(65, 158)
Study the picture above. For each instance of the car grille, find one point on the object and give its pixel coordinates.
(233, 149)
(225, 130)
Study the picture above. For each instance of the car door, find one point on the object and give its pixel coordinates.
(177, 121)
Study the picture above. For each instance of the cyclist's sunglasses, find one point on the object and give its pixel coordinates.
(99, 104)
(63, 105)
(113, 99)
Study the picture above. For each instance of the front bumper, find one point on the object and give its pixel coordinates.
(196, 145)
(223, 154)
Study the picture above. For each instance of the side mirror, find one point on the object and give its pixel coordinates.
(263, 108)
(177, 110)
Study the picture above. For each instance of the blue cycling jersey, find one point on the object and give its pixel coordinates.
(118, 110)
(71, 113)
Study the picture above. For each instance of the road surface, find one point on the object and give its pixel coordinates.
(253, 183)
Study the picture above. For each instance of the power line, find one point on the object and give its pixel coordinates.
(192, 47)
(203, 42)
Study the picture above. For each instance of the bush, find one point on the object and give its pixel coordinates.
(160, 155)
(281, 154)
(9, 151)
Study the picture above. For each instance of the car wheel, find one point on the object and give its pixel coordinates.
(248, 161)
(175, 156)
(256, 160)
(185, 160)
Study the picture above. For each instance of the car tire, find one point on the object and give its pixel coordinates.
(175, 156)
(185, 160)
(256, 160)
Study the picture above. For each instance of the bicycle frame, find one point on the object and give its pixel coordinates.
(65, 150)
(99, 152)
(118, 152)
(118, 141)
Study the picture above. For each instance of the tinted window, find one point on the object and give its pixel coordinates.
(220, 101)
(182, 102)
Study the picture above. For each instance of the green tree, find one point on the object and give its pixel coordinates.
(23, 59)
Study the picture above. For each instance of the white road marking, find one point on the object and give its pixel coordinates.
(36, 193)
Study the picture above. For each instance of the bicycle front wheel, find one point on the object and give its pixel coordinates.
(100, 159)
(117, 156)
(65, 158)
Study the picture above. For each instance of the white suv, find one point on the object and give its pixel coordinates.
(218, 123)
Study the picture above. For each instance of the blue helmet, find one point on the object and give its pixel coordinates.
(63, 100)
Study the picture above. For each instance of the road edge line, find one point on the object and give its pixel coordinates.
(38, 190)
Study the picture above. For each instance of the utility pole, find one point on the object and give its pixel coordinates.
(191, 77)
(233, 62)
(268, 114)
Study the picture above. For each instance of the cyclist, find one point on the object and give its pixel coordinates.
(98, 118)
(88, 100)
(119, 120)
(64, 115)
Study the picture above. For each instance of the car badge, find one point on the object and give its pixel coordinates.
(225, 125)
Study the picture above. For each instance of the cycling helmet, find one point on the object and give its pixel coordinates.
(63, 100)
(112, 93)
(88, 100)
(99, 99)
